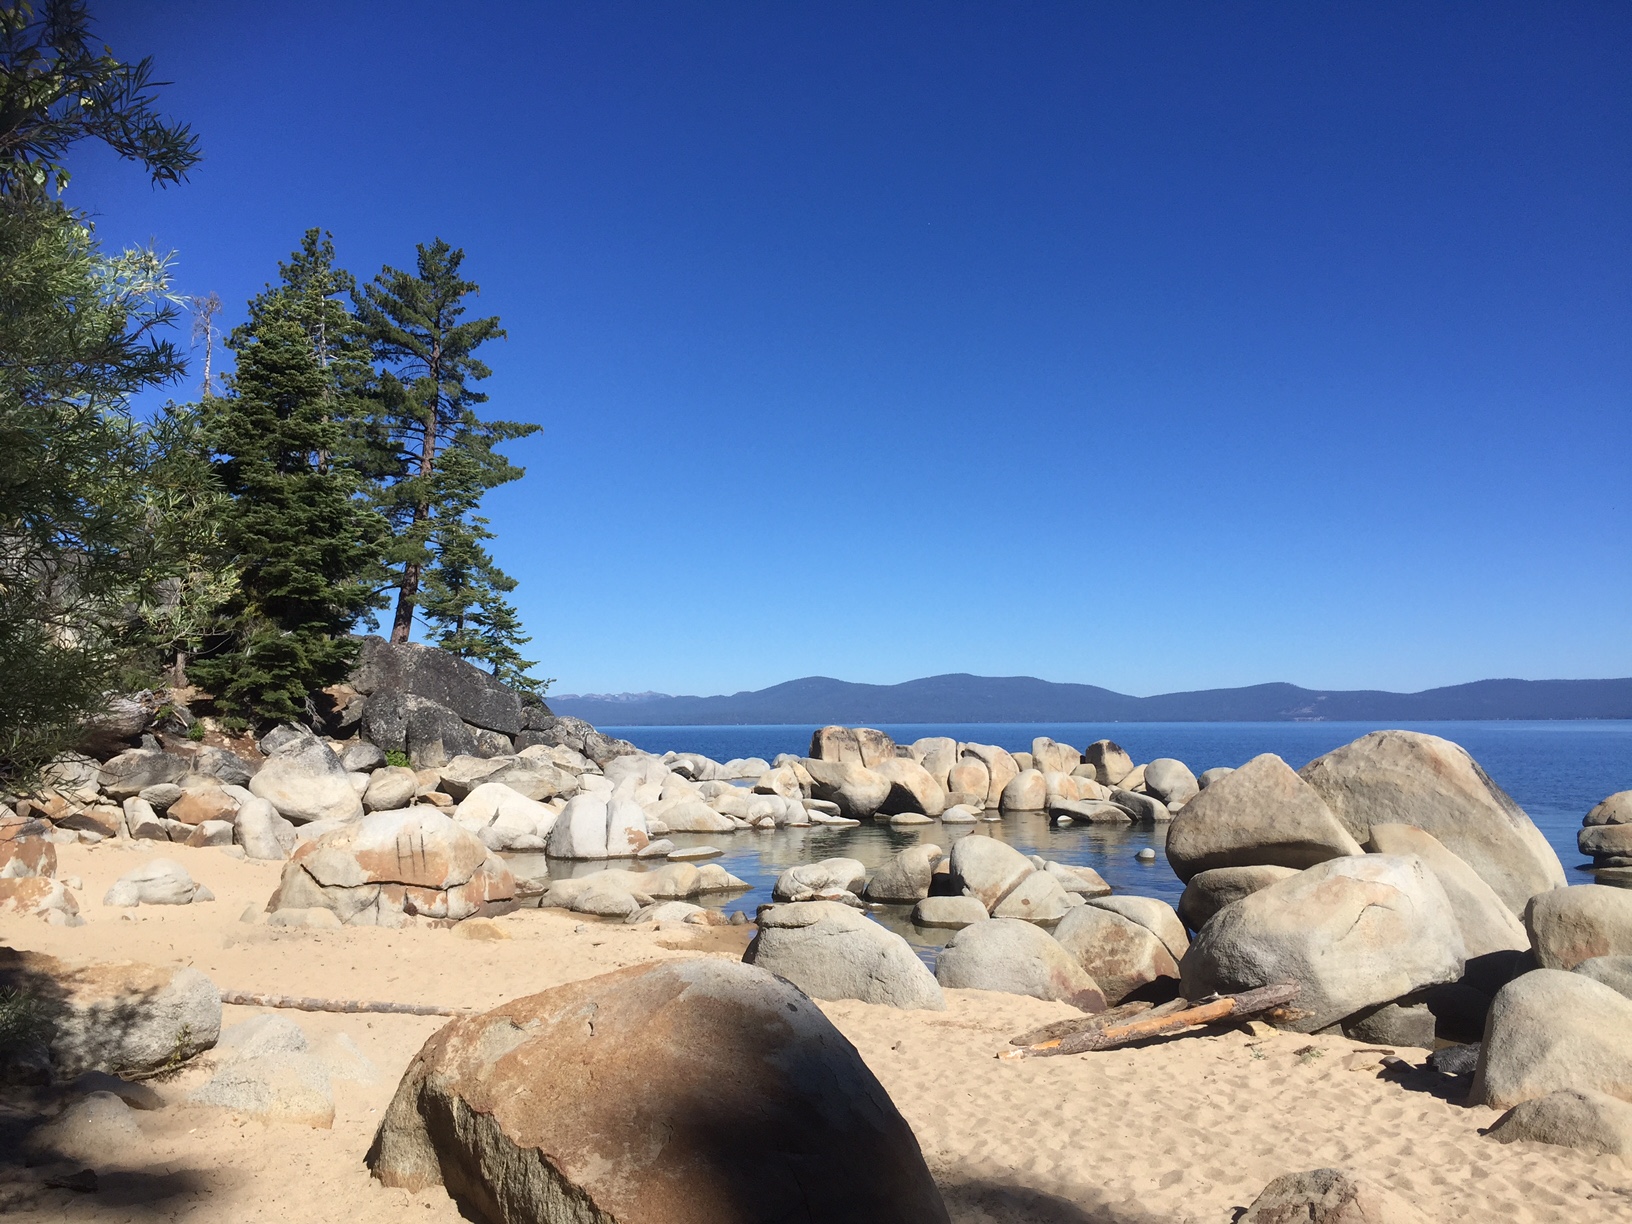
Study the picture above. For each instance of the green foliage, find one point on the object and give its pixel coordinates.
(440, 459)
(306, 544)
(23, 1020)
(55, 90)
(195, 732)
(188, 572)
(79, 335)
(78, 331)
(397, 758)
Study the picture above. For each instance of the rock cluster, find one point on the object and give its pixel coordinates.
(1389, 879)
(1411, 900)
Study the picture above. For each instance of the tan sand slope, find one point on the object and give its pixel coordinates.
(1184, 1131)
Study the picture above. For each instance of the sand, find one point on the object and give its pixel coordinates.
(1187, 1130)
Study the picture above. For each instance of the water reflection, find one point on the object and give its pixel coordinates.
(759, 857)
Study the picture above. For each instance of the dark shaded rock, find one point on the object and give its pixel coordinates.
(128, 773)
(1459, 1011)
(1393, 1024)
(535, 714)
(121, 724)
(424, 671)
(430, 733)
(1456, 1059)
(575, 733)
(118, 1017)
(226, 767)
(1210, 891)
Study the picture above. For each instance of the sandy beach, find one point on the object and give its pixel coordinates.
(1186, 1130)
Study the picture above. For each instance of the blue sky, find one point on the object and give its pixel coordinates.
(1153, 346)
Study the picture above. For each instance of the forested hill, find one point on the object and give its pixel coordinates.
(975, 699)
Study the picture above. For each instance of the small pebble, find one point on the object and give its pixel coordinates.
(1147, 855)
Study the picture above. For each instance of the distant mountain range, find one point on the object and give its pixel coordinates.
(1025, 699)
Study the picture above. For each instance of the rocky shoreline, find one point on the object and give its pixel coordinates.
(1389, 889)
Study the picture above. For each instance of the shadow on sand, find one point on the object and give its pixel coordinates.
(984, 1201)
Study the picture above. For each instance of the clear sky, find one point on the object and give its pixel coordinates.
(1156, 346)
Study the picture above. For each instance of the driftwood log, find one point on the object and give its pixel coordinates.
(245, 998)
(1136, 1022)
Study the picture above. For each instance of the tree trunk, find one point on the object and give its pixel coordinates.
(406, 593)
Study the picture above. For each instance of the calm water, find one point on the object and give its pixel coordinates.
(1555, 770)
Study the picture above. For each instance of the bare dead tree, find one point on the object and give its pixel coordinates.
(205, 310)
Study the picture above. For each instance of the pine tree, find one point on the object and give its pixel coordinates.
(80, 333)
(464, 597)
(308, 545)
(443, 456)
(188, 573)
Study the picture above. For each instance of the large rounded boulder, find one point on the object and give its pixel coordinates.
(1406, 777)
(1550, 1030)
(1015, 957)
(813, 881)
(857, 790)
(1487, 924)
(1152, 913)
(906, 877)
(388, 866)
(120, 1017)
(1351, 933)
(1001, 768)
(1207, 892)
(695, 1092)
(1118, 953)
(1571, 925)
(304, 781)
(1262, 814)
(986, 868)
(831, 951)
(912, 788)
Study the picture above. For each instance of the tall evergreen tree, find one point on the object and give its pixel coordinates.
(464, 598)
(188, 573)
(442, 454)
(308, 545)
(80, 333)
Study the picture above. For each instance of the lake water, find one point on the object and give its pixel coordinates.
(1554, 770)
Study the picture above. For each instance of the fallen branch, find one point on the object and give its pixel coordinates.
(1158, 1021)
(1061, 1029)
(245, 998)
